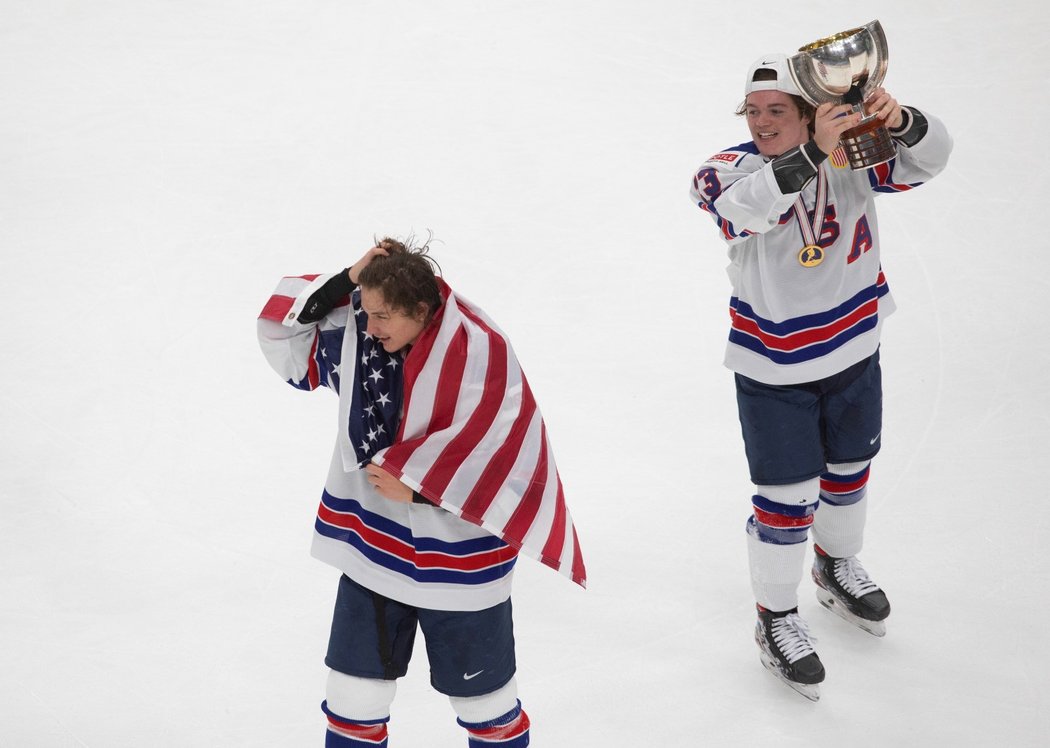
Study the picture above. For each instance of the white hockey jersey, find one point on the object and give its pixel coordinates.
(809, 295)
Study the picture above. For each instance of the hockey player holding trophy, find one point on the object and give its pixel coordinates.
(796, 206)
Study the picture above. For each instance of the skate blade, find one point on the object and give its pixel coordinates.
(828, 600)
(810, 691)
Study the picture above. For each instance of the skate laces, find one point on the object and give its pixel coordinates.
(852, 576)
(791, 635)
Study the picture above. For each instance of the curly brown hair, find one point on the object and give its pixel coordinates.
(407, 276)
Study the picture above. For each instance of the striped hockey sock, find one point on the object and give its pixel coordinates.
(348, 733)
(510, 730)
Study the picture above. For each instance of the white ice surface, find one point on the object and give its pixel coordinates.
(162, 164)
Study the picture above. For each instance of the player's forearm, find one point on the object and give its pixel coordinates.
(794, 169)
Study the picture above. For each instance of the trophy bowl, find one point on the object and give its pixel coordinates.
(844, 69)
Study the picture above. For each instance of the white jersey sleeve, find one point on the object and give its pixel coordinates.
(292, 348)
(738, 188)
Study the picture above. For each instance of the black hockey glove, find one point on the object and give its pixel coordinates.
(324, 299)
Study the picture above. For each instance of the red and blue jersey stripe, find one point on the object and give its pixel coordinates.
(423, 559)
(810, 336)
(882, 180)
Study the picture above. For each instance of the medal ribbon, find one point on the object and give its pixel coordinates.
(811, 232)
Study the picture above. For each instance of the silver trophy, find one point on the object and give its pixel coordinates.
(844, 69)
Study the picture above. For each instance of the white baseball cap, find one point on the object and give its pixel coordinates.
(778, 63)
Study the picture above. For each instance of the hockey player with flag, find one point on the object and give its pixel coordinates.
(442, 473)
(808, 303)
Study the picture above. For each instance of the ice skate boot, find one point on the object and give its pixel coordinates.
(786, 650)
(844, 588)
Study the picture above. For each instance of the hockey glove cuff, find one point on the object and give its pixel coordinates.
(912, 129)
(324, 299)
(796, 167)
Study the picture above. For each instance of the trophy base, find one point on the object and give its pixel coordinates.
(868, 144)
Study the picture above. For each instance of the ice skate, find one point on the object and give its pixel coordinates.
(786, 650)
(844, 588)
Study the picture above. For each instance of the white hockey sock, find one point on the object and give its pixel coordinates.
(361, 699)
(776, 541)
(776, 571)
(494, 718)
(487, 706)
(838, 527)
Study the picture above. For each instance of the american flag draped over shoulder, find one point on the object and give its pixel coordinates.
(472, 439)
(376, 393)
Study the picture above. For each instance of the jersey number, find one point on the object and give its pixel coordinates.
(706, 183)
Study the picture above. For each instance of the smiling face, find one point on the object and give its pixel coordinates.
(775, 122)
(393, 328)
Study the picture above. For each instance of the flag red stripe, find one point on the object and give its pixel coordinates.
(579, 572)
(496, 472)
(449, 383)
(313, 373)
(276, 308)
(556, 540)
(486, 411)
(415, 360)
(524, 514)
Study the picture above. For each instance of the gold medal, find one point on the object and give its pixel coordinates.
(810, 256)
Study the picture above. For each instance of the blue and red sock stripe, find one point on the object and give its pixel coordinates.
(781, 524)
(843, 490)
(510, 730)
